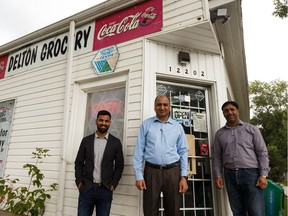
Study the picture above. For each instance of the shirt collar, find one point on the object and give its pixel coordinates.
(105, 137)
(239, 123)
(169, 120)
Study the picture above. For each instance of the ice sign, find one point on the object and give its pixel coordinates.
(105, 60)
(199, 95)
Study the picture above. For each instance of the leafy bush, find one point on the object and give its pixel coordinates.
(27, 200)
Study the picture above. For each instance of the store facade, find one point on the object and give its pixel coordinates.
(119, 56)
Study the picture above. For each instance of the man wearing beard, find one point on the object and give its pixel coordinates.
(240, 149)
(98, 168)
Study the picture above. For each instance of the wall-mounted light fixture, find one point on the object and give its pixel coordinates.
(183, 57)
(219, 14)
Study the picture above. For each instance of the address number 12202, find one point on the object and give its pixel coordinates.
(186, 71)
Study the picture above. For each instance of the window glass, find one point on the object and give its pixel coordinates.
(110, 100)
(6, 117)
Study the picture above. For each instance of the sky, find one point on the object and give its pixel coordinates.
(265, 36)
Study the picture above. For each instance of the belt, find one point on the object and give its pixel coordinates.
(239, 169)
(97, 184)
(165, 166)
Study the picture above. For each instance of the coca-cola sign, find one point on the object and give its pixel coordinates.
(128, 24)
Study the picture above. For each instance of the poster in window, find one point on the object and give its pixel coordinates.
(199, 122)
(6, 116)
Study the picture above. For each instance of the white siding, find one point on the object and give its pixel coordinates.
(37, 122)
(163, 59)
(181, 14)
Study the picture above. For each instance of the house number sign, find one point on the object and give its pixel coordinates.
(187, 71)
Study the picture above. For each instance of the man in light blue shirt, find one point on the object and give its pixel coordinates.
(163, 146)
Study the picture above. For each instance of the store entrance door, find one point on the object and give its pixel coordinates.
(189, 106)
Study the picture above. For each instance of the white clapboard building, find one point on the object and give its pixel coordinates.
(118, 56)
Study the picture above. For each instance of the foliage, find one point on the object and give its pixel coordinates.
(269, 103)
(281, 8)
(27, 200)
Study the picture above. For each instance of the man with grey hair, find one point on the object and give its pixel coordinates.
(163, 146)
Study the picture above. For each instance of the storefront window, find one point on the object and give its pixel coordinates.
(110, 100)
(6, 117)
(189, 108)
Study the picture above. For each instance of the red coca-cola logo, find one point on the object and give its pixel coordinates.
(148, 16)
(128, 24)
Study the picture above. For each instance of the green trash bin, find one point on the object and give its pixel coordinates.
(274, 199)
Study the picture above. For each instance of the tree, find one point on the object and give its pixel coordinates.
(269, 103)
(281, 8)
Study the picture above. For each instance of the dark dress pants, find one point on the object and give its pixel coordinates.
(167, 181)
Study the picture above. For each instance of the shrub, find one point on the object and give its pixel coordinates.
(27, 200)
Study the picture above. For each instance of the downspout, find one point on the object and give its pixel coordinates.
(67, 102)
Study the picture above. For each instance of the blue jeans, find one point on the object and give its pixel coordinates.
(100, 197)
(244, 196)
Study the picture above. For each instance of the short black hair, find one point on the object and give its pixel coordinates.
(103, 112)
(230, 102)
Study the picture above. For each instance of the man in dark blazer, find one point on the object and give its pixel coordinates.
(98, 168)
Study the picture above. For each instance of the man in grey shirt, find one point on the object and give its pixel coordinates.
(241, 150)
